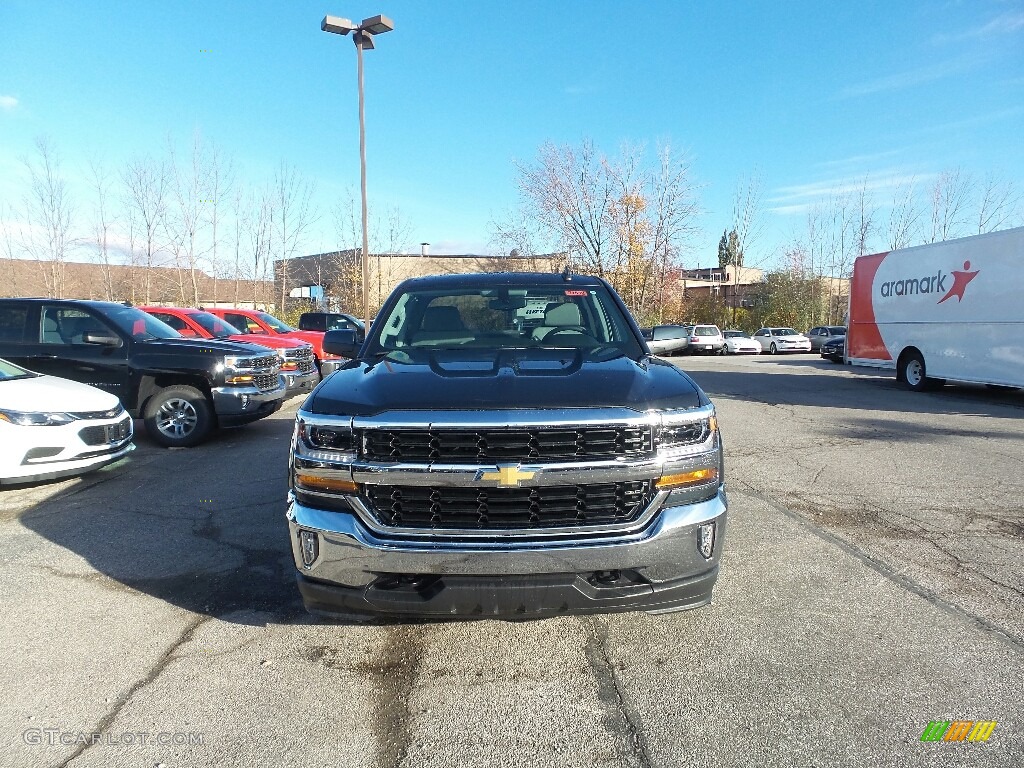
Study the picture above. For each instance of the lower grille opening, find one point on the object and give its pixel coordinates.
(440, 507)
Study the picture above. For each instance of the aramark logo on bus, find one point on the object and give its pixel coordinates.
(931, 284)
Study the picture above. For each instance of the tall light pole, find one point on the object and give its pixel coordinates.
(362, 36)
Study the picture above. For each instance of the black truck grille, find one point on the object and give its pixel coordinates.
(471, 446)
(104, 434)
(509, 508)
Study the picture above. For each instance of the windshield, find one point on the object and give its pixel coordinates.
(138, 324)
(10, 371)
(736, 335)
(783, 332)
(706, 330)
(274, 323)
(505, 317)
(214, 325)
(837, 330)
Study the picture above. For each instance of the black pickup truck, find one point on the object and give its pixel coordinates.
(182, 388)
(478, 458)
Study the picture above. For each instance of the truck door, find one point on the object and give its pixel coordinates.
(62, 350)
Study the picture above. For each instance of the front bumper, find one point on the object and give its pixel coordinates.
(240, 405)
(327, 367)
(300, 383)
(655, 568)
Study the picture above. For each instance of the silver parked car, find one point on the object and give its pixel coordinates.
(667, 339)
(822, 333)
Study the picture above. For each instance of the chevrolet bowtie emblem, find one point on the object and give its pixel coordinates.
(508, 475)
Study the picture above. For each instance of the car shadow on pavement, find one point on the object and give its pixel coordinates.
(201, 528)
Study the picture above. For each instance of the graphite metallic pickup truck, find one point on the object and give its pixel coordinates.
(182, 388)
(468, 464)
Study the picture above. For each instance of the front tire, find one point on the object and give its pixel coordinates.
(773, 349)
(914, 373)
(178, 417)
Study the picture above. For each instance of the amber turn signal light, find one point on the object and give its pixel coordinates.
(684, 479)
(330, 484)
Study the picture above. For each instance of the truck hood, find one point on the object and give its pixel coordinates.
(213, 345)
(502, 379)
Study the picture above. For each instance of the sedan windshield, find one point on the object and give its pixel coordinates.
(783, 332)
(10, 371)
(505, 317)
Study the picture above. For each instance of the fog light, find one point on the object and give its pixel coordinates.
(706, 540)
(309, 543)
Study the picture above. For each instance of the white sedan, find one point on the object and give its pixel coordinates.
(51, 427)
(776, 340)
(739, 343)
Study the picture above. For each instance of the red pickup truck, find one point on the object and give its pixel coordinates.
(297, 364)
(260, 324)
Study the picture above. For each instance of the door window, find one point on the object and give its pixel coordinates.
(63, 325)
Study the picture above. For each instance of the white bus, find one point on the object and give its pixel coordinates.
(945, 311)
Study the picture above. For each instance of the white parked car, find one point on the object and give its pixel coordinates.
(739, 343)
(776, 340)
(705, 338)
(52, 427)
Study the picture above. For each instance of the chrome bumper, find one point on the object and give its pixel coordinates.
(327, 367)
(666, 550)
(234, 403)
(300, 383)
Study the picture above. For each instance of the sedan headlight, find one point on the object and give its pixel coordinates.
(36, 418)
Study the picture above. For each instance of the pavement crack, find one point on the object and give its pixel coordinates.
(619, 720)
(166, 658)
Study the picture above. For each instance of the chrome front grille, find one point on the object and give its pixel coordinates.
(265, 381)
(461, 508)
(536, 444)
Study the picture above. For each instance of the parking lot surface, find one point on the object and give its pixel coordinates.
(871, 584)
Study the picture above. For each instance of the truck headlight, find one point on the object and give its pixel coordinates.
(36, 418)
(680, 434)
(325, 442)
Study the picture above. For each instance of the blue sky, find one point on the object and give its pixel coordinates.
(806, 95)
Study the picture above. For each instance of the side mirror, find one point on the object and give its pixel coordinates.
(343, 343)
(101, 338)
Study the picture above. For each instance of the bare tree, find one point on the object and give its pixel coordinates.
(260, 226)
(102, 223)
(950, 200)
(48, 216)
(185, 216)
(998, 200)
(11, 238)
(220, 178)
(904, 216)
(295, 214)
(748, 212)
(146, 187)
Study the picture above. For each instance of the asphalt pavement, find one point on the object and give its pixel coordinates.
(871, 584)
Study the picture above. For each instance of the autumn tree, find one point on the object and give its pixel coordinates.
(617, 217)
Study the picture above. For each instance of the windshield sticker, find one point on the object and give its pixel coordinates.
(575, 293)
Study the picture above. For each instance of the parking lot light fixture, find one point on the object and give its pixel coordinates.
(362, 36)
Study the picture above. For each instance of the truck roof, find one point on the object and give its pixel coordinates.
(477, 279)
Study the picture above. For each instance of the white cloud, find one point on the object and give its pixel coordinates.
(901, 81)
(1004, 24)
(8, 102)
(801, 198)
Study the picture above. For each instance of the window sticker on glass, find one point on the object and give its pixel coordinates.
(575, 293)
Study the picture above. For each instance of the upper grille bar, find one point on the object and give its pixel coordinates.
(533, 444)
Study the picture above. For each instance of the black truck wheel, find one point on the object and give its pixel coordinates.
(178, 416)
